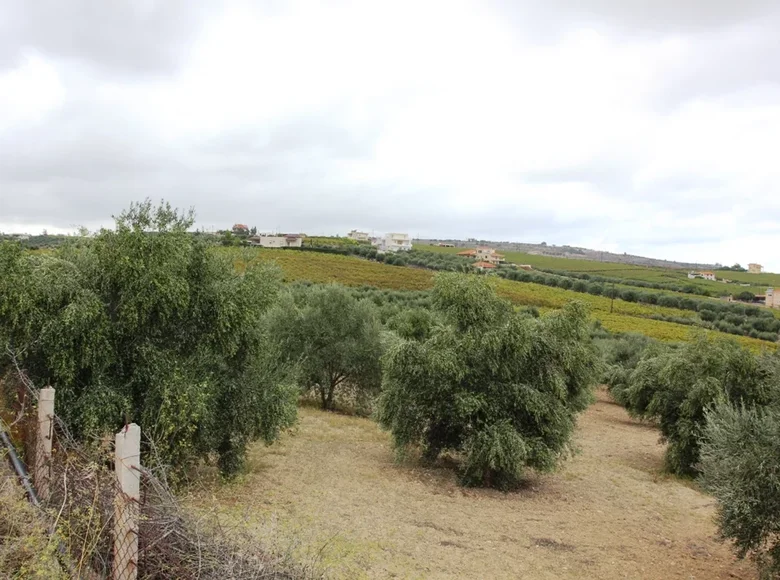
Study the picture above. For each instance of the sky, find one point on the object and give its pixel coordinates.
(643, 126)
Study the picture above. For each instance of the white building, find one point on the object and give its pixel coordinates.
(358, 236)
(393, 243)
(772, 298)
(705, 275)
(277, 240)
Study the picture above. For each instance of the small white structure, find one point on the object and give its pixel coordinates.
(772, 298)
(755, 268)
(358, 236)
(393, 243)
(277, 240)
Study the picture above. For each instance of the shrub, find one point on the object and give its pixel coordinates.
(332, 338)
(144, 323)
(740, 466)
(500, 387)
(675, 386)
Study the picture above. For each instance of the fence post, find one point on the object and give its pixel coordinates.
(42, 467)
(126, 511)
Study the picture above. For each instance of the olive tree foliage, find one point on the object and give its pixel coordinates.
(333, 339)
(740, 466)
(675, 386)
(499, 387)
(145, 323)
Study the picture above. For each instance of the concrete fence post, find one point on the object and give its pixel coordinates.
(44, 436)
(126, 511)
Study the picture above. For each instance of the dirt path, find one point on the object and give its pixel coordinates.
(610, 513)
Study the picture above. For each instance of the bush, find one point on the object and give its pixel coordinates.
(144, 323)
(675, 387)
(332, 338)
(500, 387)
(740, 466)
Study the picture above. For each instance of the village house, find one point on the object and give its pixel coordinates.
(483, 254)
(393, 243)
(277, 240)
(706, 275)
(484, 266)
(358, 236)
(755, 268)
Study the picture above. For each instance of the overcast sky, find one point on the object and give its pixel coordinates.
(645, 126)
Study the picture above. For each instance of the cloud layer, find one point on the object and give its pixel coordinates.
(645, 127)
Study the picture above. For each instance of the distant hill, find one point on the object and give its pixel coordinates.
(575, 252)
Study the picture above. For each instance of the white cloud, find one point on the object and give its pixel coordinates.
(604, 128)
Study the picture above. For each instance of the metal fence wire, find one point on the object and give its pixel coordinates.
(84, 507)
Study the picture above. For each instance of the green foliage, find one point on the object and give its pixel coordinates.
(620, 355)
(332, 338)
(500, 387)
(675, 386)
(145, 324)
(740, 466)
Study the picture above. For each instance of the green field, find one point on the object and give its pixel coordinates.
(351, 271)
(630, 272)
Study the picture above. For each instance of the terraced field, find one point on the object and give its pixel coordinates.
(351, 271)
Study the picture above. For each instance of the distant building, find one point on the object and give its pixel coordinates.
(393, 243)
(705, 275)
(277, 240)
(772, 299)
(483, 254)
(755, 268)
(443, 245)
(358, 236)
(482, 266)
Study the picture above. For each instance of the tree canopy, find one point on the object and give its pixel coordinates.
(500, 387)
(143, 323)
(333, 338)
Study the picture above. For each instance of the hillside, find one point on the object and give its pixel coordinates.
(758, 282)
(575, 252)
(616, 316)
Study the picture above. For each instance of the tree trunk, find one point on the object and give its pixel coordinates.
(331, 390)
(323, 397)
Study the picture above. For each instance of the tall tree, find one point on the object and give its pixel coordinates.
(332, 337)
(144, 322)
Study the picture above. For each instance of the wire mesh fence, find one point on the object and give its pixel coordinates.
(103, 528)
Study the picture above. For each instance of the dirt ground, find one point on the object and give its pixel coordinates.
(331, 491)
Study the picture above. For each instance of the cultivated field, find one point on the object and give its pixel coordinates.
(332, 490)
(353, 271)
(627, 271)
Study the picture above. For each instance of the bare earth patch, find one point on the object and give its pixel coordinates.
(332, 490)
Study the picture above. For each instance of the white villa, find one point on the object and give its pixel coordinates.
(358, 236)
(393, 243)
(277, 240)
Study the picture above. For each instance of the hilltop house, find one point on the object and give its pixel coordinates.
(393, 243)
(483, 254)
(277, 240)
(358, 236)
(755, 268)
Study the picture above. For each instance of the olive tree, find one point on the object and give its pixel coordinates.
(675, 386)
(333, 338)
(499, 387)
(146, 323)
(740, 466)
